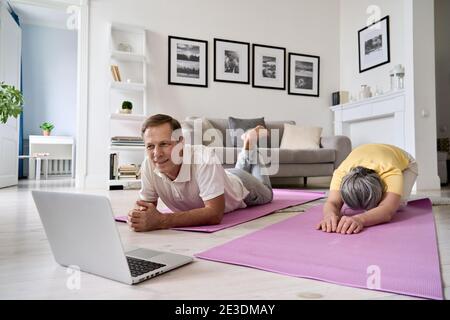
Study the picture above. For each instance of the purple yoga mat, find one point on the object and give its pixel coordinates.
(282, 198)
(400, 256)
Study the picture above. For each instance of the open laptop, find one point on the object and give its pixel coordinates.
(82, 232)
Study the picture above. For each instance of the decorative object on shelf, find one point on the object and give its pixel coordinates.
(188, 62)
(115, 73)
(339, 97)
(11, 101)
(127, 107)
(397, 75)
(378, 91)
(374, 45)
(125, 47)
(303, 74)
(231, 61)
(269, 67)
(47, 128)
(365, 92)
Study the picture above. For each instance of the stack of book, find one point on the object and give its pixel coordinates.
(127, 141)
(113, 166)
(115, 73)
(339, 97)
(129, 171)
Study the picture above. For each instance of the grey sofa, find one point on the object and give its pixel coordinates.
(292, 163)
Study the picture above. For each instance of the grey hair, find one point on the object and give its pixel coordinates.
(362, 188)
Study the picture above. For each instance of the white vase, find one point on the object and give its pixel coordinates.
(365, 92)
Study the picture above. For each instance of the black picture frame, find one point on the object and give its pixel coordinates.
(303, 86)
(264, 73)
(188, 76)
(375, 41)
(239, 72)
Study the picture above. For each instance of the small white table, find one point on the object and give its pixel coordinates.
(37, 172)
(59, 148)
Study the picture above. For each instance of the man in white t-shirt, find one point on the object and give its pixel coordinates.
(191, 181)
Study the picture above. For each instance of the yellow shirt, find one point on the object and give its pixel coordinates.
(386, 160)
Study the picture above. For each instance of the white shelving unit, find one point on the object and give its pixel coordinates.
(128, 86)
(127, 50)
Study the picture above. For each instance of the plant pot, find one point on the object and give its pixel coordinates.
(46, 132)
(126, 111)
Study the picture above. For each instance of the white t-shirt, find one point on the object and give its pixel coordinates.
(201, 178)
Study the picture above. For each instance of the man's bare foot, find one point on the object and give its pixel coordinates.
(251, 136)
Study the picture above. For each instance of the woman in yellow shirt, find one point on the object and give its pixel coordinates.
(375, 178)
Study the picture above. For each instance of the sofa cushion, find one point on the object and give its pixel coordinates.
(300, 137)
(307, 156)
(285, 156)
(210, 136)
(239, 126)
(276, 130)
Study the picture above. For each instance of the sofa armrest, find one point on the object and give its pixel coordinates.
(341, 144)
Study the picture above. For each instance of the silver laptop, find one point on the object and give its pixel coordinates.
(82, 233)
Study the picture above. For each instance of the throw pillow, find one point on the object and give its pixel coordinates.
(236, 127)
(211, 136)
(299, 137)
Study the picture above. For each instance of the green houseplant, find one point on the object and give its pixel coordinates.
(11, 101)
(127, 106)
(46, 127)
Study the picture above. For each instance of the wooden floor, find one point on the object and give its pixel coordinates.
(28, 271)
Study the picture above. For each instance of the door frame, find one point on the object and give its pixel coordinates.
(82, 6)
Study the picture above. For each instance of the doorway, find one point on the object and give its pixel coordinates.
(54, 69)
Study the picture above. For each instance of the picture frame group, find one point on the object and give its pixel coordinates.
(188, 65)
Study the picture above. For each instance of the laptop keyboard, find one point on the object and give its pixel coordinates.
(139, 266)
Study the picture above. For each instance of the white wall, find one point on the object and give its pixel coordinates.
(411, 44)
(421, 89)
(442, 30)
(301, 26)
(49, 66)
(353, 18)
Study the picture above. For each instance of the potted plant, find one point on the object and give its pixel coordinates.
(46, 127)
(11, 101)
(127, 106)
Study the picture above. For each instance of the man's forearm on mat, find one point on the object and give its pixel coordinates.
(194, 217)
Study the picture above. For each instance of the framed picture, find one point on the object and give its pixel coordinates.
(374, 45)
(269, 67)
(188, 62)
(303, 74)
(231, 61)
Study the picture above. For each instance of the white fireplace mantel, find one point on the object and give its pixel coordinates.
(379, 119)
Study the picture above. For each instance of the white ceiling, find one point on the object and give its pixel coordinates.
(40, 15)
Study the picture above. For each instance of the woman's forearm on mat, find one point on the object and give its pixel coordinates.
(376, 216)
(331, 208)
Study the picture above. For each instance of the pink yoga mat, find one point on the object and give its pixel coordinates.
(282, 198)
(400, 256)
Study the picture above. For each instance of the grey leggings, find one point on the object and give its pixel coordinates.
(248, 169)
